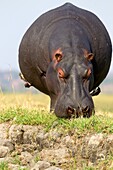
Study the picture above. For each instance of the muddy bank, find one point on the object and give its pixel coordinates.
(33, 148)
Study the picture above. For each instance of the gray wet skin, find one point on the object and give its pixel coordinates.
(66, 54)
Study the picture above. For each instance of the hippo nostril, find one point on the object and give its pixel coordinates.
(70, 111)
(85, 109)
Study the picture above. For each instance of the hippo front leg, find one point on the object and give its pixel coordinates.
(53, 102)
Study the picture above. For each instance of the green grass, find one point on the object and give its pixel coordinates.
(31, 110)
(3, 166)
(88, 168)
(16, 160)
(97, 123)
(37, 158)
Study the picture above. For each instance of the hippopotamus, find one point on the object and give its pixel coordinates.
(66, 54)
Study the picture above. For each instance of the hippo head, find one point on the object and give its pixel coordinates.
(70, 80)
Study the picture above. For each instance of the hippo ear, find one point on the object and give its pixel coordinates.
(90, 56)
(58, 55)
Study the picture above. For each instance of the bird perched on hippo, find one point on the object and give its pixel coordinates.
(66, 54)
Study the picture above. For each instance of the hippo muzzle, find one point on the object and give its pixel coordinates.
(75, 99)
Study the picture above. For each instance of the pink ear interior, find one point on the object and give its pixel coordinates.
(90, 56)
(58, 57)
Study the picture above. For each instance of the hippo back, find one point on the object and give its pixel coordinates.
(34, 45)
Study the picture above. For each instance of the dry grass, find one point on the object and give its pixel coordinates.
(27, 100)
(103, 103)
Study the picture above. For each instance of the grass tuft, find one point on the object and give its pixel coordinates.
(3, 166)
(25, 116)
(94, 124)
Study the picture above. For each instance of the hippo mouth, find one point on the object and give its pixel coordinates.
(76, 113)
(71, 112)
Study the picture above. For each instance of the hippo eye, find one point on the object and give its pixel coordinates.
(58, 57)
(61, 73)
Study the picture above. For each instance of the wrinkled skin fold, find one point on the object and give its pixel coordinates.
(66, 54)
